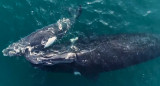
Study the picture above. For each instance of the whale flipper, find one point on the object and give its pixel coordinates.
(75, 13)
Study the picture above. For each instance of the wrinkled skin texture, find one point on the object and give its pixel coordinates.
(119, 51)
(99, 55)
(89, 58)
(35, 46)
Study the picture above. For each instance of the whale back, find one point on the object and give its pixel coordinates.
(119, 51)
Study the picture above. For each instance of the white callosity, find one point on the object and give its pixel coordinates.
(73, 40)
(69, 55)
(74, 48)
(14, 49)
(65, 22)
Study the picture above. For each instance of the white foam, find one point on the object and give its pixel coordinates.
(103, 22)
(95, 1)
(111, 12)
(77, 73)
(147, 13)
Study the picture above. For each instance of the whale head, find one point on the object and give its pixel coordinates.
(15, 49)
(50, 56)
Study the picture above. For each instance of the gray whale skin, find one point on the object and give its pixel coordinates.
(99, 55)
(104, 54)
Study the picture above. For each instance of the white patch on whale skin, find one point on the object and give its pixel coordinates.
(50, 42)
(29, 48)
(4, 53)
(14, 49)
(74, 39)
(74, 48)
(11, 53)
(59, 25)
(62, 22)
(69, 55)
(103, 22)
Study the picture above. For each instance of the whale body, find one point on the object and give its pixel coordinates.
(79, 57)
(99, 55)
(44, 37)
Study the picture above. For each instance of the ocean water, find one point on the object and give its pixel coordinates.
(18, 18)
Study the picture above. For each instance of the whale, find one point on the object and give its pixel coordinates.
(102, 54)
(44, 37)
(87, 57)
